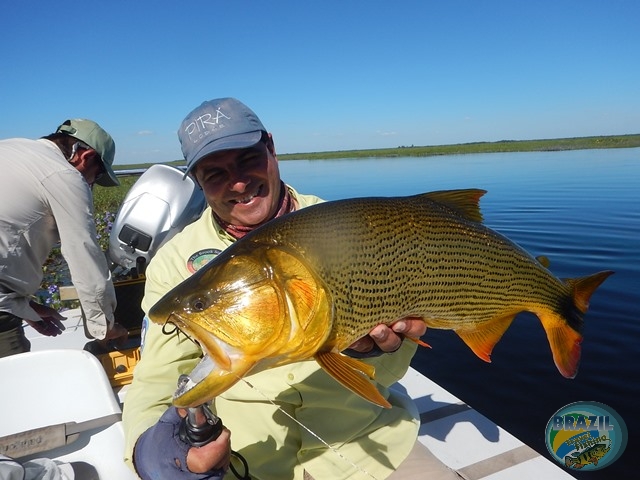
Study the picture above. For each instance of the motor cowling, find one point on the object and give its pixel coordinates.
(158, 205)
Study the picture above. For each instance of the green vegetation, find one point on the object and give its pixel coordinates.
(550, 145)
(580, 143)
(109, 199)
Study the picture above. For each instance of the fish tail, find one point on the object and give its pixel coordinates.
(564, 342)
(563, 329)
(583, 288)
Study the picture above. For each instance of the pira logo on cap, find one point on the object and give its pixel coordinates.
(203, 125)
(218, 125)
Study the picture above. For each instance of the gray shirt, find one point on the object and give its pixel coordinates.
(45, 200)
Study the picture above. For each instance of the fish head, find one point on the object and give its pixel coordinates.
(252, 309)
(599, 450)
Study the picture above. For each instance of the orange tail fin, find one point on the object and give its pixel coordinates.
(565, 347)
(584, 287)
(563, 339)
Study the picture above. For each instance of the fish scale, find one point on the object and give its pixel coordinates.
(383, 276)
(310, 283)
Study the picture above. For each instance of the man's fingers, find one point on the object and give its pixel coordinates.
(213, 455)
(363, 344)
(389, 338)
(410, 327)
(48, 327)
(57, 323)
(386, 339)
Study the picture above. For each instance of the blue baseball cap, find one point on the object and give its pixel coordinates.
(218, 125)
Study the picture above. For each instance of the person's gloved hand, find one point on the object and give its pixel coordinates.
(51, 324)
(160, 454)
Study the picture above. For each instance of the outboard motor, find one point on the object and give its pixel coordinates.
(157, 206)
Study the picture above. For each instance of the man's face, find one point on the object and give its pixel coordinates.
(241, 186)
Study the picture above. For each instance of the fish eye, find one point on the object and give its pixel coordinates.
(198, 305)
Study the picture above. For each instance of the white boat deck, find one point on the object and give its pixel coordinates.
(468, 442)
(58, 382)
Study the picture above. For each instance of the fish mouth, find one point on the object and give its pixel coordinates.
(221, 366)
(197, 375)
(219, 353)
(206, 381)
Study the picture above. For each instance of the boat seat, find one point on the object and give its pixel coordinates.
(52, 387)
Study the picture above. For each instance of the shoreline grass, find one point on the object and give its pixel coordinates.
(546, 145)
(550, 145)
(109, 199)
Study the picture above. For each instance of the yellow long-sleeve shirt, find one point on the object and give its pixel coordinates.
(365, 440)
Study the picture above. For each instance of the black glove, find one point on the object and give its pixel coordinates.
(161, 455)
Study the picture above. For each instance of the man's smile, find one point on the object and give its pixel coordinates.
(248, 198)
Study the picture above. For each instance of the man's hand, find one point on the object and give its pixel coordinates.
(51, 325)
(387, 339)
(117, 335)
(215, 455)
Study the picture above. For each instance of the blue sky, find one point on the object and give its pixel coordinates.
(323, 75)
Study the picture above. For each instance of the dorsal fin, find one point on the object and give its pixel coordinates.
(544, 261)
(465, 202)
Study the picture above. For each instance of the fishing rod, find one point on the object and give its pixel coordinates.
(201, 426)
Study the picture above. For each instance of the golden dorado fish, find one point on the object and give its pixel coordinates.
(591, 455)
(308, 284)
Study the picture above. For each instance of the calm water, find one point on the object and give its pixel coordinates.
(582, 210)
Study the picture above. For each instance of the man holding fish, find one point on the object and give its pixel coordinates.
(285, 418)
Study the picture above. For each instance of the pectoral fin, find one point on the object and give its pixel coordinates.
(352, 374)
(483, 338)
(418, 341)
